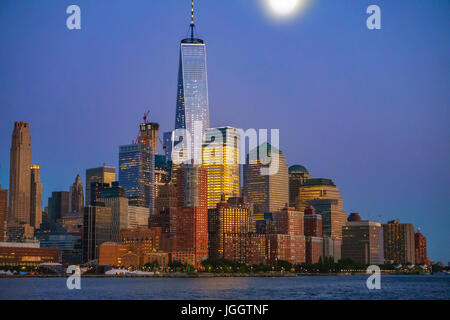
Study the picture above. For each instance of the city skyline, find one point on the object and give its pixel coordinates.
(348, 177)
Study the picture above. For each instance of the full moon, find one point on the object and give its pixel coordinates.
(283, 7)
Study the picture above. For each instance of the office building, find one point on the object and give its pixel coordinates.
(221, 156)
(76, 196)
(362, 241)
(192, 110)
(58, 205)
(114, 197)
(298, 175)
(268, 192)
(138, 217)
(20, 176)
(101, 175)
(136, 174)
(97, 227)
(36, 197)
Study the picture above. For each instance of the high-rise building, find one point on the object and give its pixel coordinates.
(97, 222)
(192, 109)
(333, 216)
(148, 135)
(285, 237)
(221, 156)
(36, 197)
(421, 248)
(227, 223)
(58, 205)
(20, 176)
(192, 212)
(268, 192)
(297, 177)
(114, 197)
(362, 241)
(313, 189)
(3, 212)
(162, 174)
(312, 222)
(76, 196)
(136, 174)
(102, 175)
(399, 243)
(138, 217)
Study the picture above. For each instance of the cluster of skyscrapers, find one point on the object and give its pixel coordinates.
(157, 209)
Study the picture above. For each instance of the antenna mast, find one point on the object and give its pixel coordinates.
(192, 19)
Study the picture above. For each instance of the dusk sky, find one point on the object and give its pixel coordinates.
(369, 109)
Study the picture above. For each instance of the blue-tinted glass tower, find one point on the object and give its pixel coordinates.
(136, 174)
(192, 93)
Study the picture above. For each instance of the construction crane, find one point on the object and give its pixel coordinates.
(146, 116)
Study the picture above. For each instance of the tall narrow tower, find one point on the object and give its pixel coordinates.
(20, 175)
(36, 197)
(192, 93)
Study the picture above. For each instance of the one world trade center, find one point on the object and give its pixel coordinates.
(192, 112)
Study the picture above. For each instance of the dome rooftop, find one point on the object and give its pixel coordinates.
(354, 217)
(297, 168)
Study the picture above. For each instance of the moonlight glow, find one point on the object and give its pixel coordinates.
(283, 7)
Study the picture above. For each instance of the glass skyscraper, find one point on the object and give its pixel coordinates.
(192, 91)
(136, 174)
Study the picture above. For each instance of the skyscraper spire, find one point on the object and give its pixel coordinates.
(192, 19)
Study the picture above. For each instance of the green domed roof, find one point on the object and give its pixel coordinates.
(297, 168)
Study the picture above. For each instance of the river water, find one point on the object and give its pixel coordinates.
(302, 287)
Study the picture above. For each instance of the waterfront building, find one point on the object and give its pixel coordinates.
(26, 254)
(221, 156)
(69, 246)
(228, 223)
(111, 253)
(420, 248)
(313, 249)
(142, 241)
(58, 205)
(285, 236)
(270, 192)
(76, 196)
(399, 243)
(362, 240)
(101, 175)
(137, 173)
(298, 175)
(97, 227)
(20, 176)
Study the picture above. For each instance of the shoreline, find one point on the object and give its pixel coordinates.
(208, 275)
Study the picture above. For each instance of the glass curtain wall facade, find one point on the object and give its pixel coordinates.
(192, 91)
(136, 174)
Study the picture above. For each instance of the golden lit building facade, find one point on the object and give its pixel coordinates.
(268, 192)
(316, 189)
(221, 154)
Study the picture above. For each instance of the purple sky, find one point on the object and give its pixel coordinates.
(368, 109)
